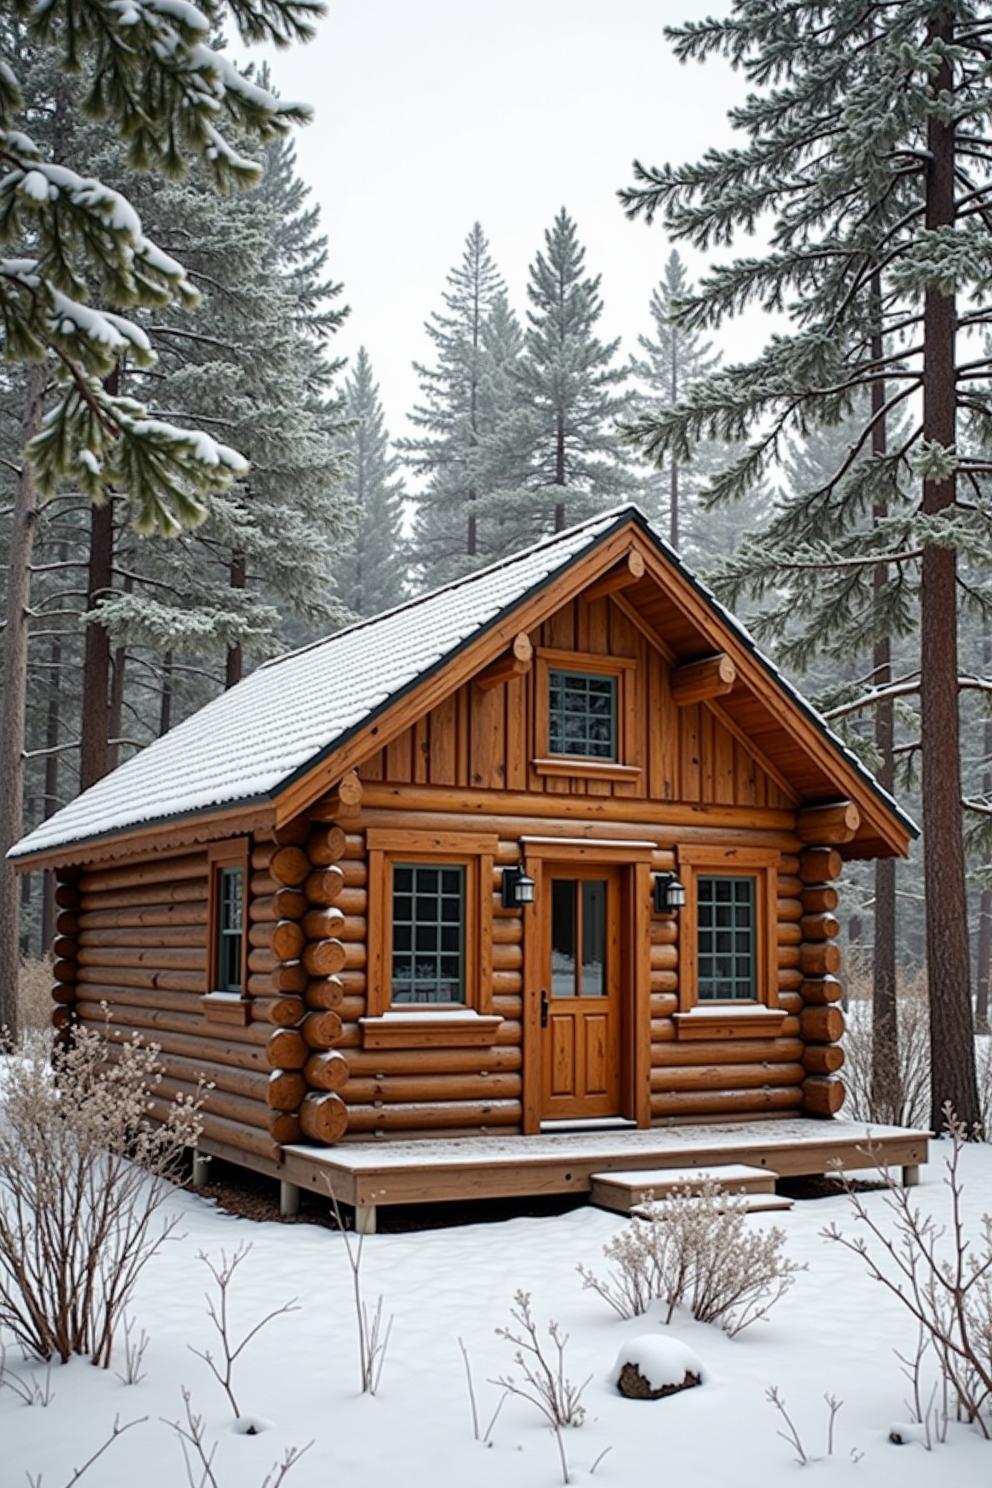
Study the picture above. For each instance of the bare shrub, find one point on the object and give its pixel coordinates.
(694, 1249)
(135, 1346)
(84, 1174)
(34, 993)
(34, 1479)
(485, 1437)
(374, 1331)
(544, 1384)
(218, 1313)
(28, 1391)
(910, 1102)
(941, 1273)
(199, 1461)
(791, 1434)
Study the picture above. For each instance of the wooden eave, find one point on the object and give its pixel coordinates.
(165, 838)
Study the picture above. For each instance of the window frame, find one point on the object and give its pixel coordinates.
(760, 864)
(218, 1003)
(626, 767)
(463, 938)
(587, 679)
(753, 930)
(475, 853)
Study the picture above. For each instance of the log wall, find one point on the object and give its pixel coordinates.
(141, 966)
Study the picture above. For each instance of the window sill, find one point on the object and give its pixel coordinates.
(723, 1022)
(427, 1030)
(586, 769)
(226, 1007)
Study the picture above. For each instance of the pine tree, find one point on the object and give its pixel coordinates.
(447, 453)
(576, 462)
(172, 99)
(673, 360)
(873, 250)
(371, 571)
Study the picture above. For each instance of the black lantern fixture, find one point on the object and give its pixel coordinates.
(518, 888)
(669, 893)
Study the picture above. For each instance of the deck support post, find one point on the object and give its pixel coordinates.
(364, 1219)
(911, 1175)
(201, 1169)
(289, 1199)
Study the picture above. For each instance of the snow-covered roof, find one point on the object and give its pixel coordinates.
(256, 739)
(247, 743)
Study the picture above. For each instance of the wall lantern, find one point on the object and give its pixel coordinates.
(518, 888)
(669, 893)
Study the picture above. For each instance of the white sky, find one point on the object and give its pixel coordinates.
(435, 113)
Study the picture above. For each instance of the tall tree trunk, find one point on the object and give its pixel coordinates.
(94, 748)
(984, 977)
(673, 476)
(13, 704)
(53, 722)
(952, 1045)
(165, 702)
(560, 471)
(886, 1095)
(238, 578)
(118, 677)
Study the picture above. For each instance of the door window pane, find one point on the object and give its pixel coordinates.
(582, 714)
(593, 937)
(563, 929)
(578, 918)
(428, 934)
(726, 929)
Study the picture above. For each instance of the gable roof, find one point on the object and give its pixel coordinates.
(253, 742)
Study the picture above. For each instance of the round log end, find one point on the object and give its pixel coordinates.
(327, 1071)
(822, 1095)
(324, 1118)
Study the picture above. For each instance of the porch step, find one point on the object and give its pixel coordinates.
(589, 1124)
(623, 1191)
(753, 1204)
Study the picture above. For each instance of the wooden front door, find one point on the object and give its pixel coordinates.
(580, 996)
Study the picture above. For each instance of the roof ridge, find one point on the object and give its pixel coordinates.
(610, 512)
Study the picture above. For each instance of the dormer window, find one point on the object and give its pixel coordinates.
(585, 725)
(582, 714)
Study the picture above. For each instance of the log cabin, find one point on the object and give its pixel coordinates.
(552, 849)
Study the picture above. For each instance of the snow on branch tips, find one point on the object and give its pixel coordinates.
(77, 260)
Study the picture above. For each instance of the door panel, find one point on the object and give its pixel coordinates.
(581, 1053)
(561, 1033)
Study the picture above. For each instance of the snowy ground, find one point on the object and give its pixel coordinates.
(835, 1332)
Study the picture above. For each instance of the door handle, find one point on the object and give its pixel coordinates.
(544, 1009)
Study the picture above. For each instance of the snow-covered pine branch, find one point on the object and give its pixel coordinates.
(78, 263)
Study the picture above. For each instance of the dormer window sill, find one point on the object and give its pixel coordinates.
(586, 769)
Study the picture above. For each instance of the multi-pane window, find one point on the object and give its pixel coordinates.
(726, 928)
(230, 928)
(428, 933)
(582, 714)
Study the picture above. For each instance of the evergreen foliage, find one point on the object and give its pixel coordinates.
(371, 571)
(673, 359)
(447, 453)
(568, 377)
(79, 262)
(866, 147)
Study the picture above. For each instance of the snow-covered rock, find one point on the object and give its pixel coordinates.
(652, 1366)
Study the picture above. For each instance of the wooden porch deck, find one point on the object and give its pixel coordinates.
(365, 1175)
